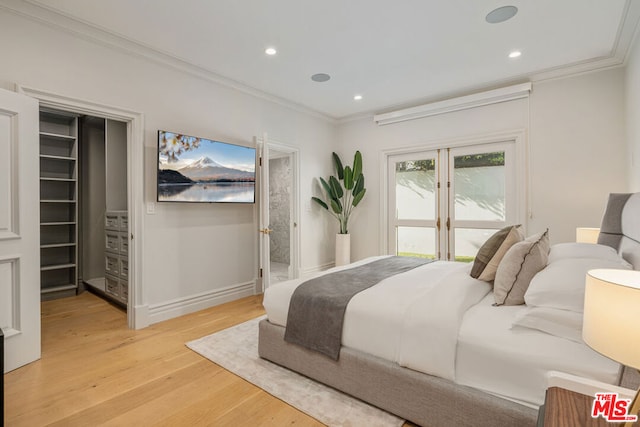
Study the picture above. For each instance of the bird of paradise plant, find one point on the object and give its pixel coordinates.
(345, 192)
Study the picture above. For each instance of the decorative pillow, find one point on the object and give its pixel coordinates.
(491, 252)
(561, 284)
(521, 262)
(583, 250)
(559, 323)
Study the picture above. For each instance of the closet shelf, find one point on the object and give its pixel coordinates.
(57, 288)
(58, 136)
(56, 267)
(49, 156)
(57, 245)
(58, 179)
(58, 204)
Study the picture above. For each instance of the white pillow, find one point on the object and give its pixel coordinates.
(561, 284)
(560, 323)
(583, 250)
(518, 266)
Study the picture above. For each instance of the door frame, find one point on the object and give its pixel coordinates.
(136, 310)
(294, 155)
(518, 137)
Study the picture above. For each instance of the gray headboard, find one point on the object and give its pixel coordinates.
(620, 227)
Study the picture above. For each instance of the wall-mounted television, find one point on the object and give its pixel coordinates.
(192, 169)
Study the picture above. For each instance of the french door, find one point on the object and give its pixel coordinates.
(445, 203)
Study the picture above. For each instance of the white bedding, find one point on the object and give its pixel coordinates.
(415, 315)
(512, 362)
(438, 320)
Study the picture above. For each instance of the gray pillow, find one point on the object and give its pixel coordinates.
(491, 252)
(521, 262)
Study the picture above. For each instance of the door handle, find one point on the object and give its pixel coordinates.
(266, 231)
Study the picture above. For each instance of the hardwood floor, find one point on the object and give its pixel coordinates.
(95, 371)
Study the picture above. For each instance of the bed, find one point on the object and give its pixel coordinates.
(441, 354)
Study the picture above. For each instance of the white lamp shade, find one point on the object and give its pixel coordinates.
(612, 314)
(587, 235)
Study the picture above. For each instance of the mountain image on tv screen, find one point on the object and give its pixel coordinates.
(192, 169)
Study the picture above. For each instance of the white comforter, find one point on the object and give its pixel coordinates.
(412, 318)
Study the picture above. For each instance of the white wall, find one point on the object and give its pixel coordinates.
(577, 151)
(189, 250)
(632, 89)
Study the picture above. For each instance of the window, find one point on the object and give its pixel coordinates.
(445, 203)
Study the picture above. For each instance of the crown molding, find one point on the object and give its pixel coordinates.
(495, 96)
(43, 14)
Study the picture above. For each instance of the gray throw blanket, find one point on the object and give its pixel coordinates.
(317, 306)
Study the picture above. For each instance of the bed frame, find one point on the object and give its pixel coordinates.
(425, 399)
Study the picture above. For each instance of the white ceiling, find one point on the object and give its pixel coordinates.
(394, 53)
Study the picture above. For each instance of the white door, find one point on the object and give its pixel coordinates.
(265, 243)
(19, 229)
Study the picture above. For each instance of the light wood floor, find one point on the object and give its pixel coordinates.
(95, 371)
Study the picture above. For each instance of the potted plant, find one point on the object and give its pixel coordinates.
(342, 194)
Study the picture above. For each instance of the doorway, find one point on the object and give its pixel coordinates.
(278, 213)
(132, 170)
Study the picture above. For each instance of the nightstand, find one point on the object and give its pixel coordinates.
(566, 408)
(569, 400)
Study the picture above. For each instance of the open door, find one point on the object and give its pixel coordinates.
(19, 229)
(265, 243)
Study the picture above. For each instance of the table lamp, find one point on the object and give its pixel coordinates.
(612, 318)
(587, 235)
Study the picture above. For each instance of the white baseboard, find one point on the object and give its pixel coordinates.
(311, 271)
(181, 306)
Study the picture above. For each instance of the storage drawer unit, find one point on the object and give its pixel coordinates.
(112, 241)
(117, 255)
(124, 268)
(124, 291)
(112, 286)
(111, 264)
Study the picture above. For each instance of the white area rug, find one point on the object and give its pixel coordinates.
(236, 349)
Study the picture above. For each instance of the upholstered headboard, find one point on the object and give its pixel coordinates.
(620, 227)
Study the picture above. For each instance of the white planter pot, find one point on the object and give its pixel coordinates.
(343, 249)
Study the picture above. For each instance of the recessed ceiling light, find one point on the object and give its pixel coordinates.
(270, 51)
(320, 77)
(515, 54)
(357, 97)
(501, 14)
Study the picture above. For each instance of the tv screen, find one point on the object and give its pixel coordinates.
(192, 169)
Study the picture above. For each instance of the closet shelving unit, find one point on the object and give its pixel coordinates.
(58, 204)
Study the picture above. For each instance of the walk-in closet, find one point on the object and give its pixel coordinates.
(84, 231)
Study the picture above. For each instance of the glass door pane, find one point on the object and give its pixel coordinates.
(479, 187)
(416, 242)
(415, 185)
